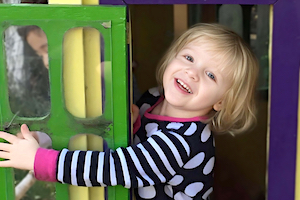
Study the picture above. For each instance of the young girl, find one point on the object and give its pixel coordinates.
(206, 84)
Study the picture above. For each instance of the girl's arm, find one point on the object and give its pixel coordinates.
(148, 163)
(136, 118)
(21, 151)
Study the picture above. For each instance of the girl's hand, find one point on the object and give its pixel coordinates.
(20, 153)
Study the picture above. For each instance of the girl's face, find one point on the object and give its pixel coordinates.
(193, 82)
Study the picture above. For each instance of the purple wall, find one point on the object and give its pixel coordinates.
(120, 2)
(111, 2)
(284, 100)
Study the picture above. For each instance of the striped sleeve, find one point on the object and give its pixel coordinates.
(151, 162)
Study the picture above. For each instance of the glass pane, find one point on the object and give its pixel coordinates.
(27, 71)
(259, 40)
(26, 49)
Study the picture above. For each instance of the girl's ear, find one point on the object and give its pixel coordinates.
(218, 106)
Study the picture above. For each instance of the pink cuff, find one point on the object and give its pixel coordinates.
(137, 124)
(45, 164)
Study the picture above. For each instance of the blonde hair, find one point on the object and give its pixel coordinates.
(238, 104)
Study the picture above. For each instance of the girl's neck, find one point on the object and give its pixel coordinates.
(165, 109)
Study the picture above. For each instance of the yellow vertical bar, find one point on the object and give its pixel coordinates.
(92, 62)
(297, 174)
(73, 72)
(270, 72)
(90, 2)
(297, 182)
(129, 42)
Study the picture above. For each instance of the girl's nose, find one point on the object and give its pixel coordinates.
(192, 73)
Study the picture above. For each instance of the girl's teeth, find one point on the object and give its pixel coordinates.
(184, 85)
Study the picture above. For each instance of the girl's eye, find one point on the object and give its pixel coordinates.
(210, 75)
(189, 58)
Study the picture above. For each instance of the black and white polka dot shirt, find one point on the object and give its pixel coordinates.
(180, 154)
(172, 158)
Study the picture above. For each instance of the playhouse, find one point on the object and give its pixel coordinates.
(102, 55)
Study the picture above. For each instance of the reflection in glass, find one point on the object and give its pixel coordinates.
(39, 190)
(27, 70)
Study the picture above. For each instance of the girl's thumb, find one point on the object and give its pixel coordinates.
(25, 130)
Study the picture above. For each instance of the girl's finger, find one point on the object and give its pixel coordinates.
(4, 155)
(8, 137)
(5, 163)
(26, 132)
(5, 147)
(24, 128)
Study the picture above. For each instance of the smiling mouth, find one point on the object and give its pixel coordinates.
(183, 86)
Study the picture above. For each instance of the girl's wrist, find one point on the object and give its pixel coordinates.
(45, 164)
